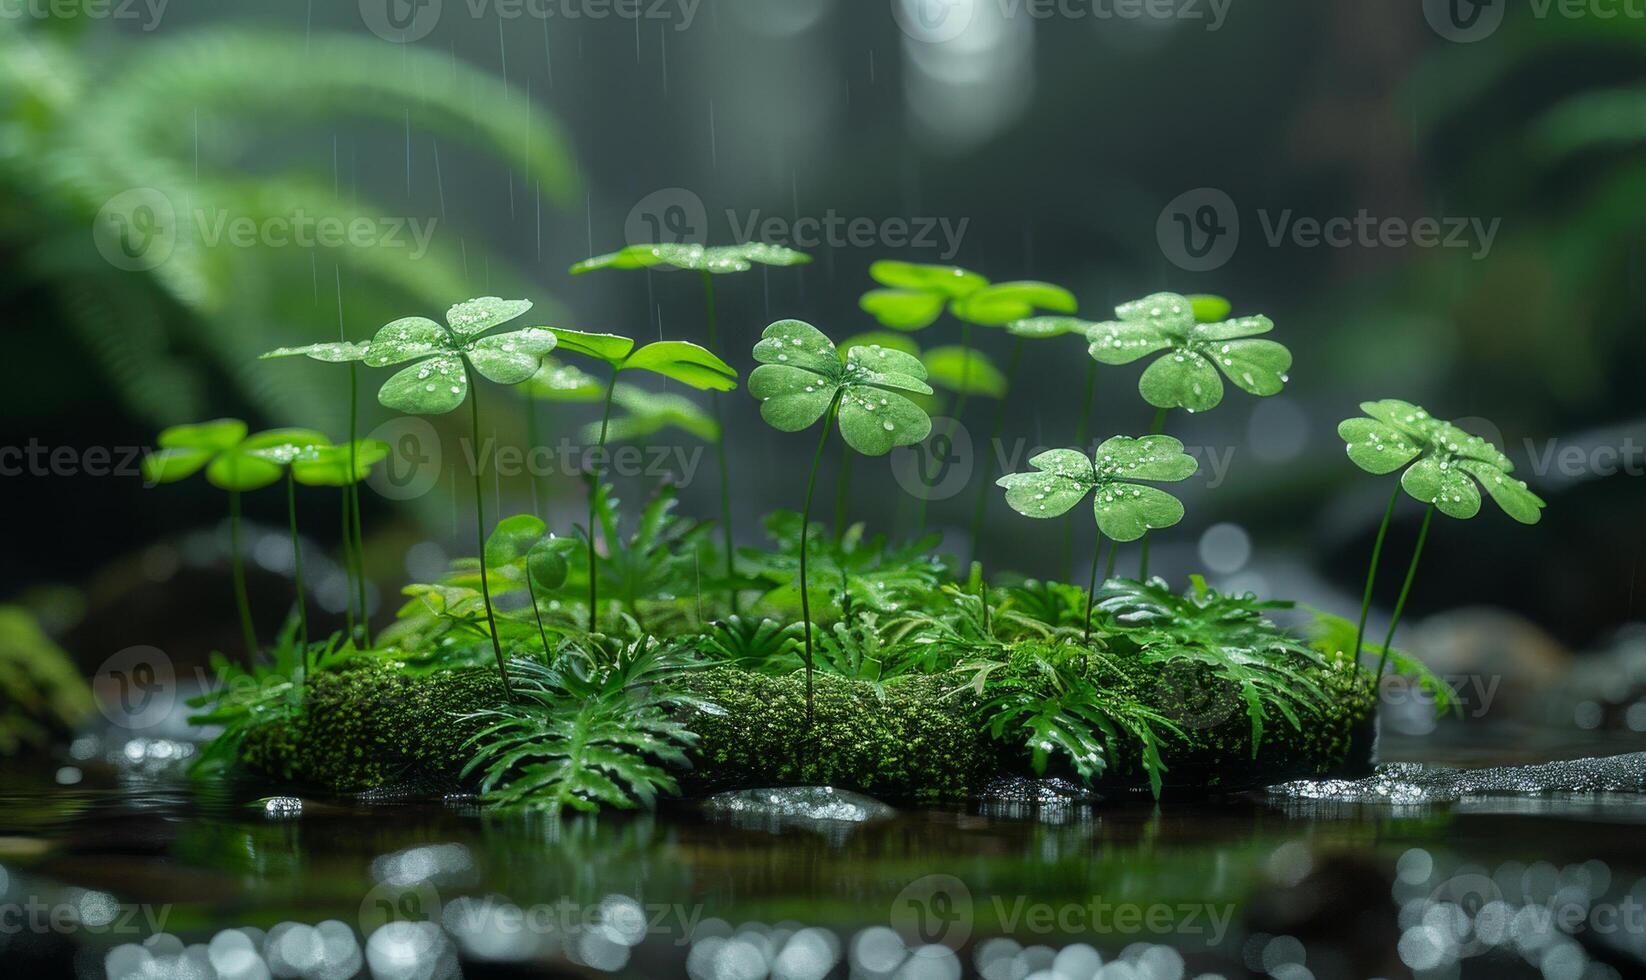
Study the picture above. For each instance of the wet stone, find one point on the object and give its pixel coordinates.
(797, 804)
(1414, 783)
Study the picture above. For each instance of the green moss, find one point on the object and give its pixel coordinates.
(906, 741)
(373, 726)
(912, 739)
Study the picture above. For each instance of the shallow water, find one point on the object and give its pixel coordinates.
(117, 866)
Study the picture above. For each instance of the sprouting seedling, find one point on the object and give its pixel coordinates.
(1125, 510)
(679, 360)
(1446, 463)
(344, 467)
(802, 378)
(1186, 376)
(275, 452)
(707, 262)
(440, 379)
(521, 550)
(215, 447)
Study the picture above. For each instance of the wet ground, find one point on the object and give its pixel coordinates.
(112, 864)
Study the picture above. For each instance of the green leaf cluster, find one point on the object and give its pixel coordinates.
(1186, 375)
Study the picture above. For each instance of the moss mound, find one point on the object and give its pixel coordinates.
(373, 727)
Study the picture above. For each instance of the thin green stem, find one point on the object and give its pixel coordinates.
(1082, 433)
(1371, 570)
(805, 538)
(533, 440)
(348, 562)
(1091, 591)
(980, 509)
(237, 567)
(594, 495)
(1155, 429)
(480, 531)
(1108, 567)
(351, 551)
(842, 490)
(948, 430)
(360, 559)
(296, 558)
(720, 445)
(1405, 589)
(543, 635)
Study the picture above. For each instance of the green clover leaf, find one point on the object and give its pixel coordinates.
(916, 293)
(716, 259)
(557, 382)
(650, 412)
(185, 449)
(439, 380)
(1047, 327)
(334, 353)
(1124, 510)
(680, 360)
(964, 371)
(1449, 461)
(802, 376)
(1002, 303)
(339, 466)
(520, 550)
(1186, 376)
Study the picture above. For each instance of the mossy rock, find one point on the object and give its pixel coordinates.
(373, 727)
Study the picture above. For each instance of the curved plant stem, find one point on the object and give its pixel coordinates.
(531, 590)
(805, 537)
(237, 567)
(1083, 432)
(1371, 571)
(480, 531)
(1091, 592)
(348, 564)
(980, 509)
(360, 561)
(351, 506)
(720, 445)
(1405, 589)
(1143, 555)
(594, 495)
(296, 558)
(842, 491)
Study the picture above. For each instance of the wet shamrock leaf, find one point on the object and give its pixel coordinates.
(520, 550)
(1186, 375)
(1046, 327)
(339, 466)
(717, 259)
(1001, 303)
(964, 371)
(679, 360)
(333, 353)
(439, 381)
(558, 382)
(1445, 462)
(185, 449)
(802, 377)
(1124, 510)
(916, 293)
(650, 412)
